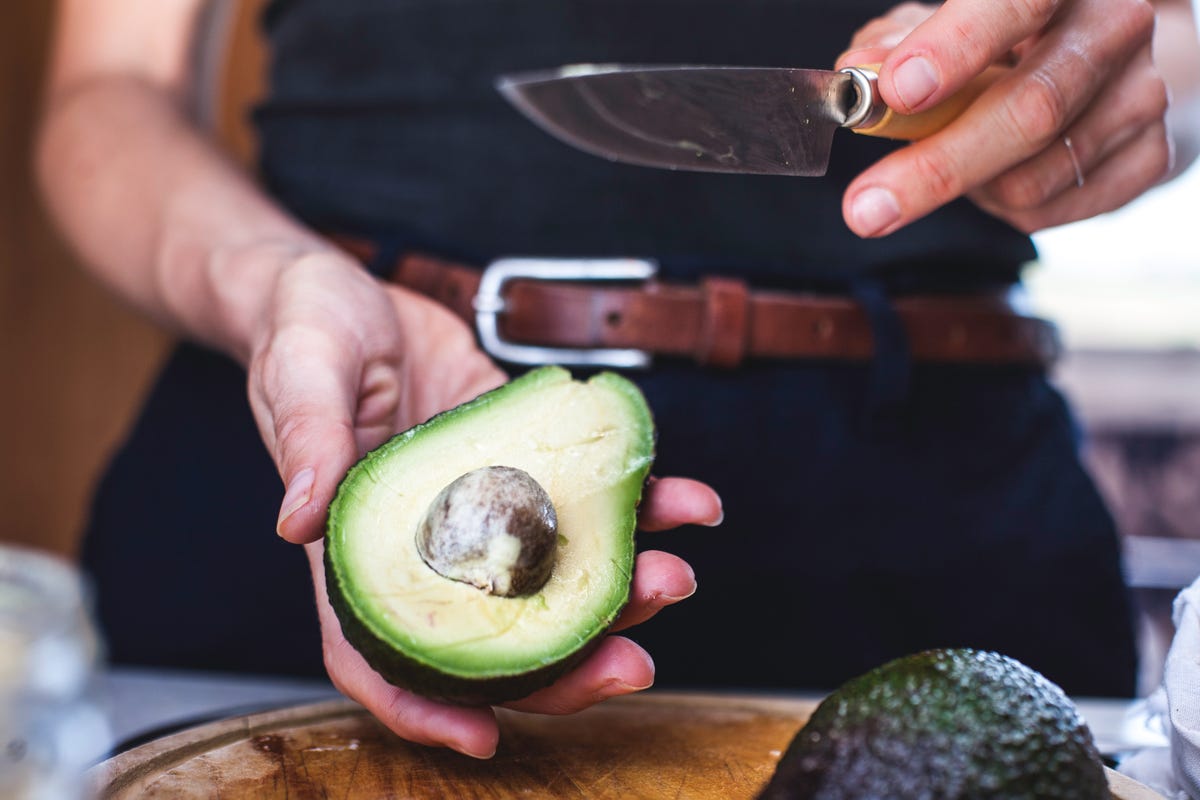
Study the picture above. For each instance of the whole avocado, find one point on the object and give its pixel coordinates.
(945, 724)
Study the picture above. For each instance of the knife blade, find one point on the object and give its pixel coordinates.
(761, 120)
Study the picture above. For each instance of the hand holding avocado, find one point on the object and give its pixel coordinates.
(480, 555)
(342, 363)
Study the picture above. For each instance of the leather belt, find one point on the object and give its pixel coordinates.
(720, 322)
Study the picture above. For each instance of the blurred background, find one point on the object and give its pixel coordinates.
(73, 362)
(1125, 288)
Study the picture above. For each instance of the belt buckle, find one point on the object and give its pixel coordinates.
(489, 304)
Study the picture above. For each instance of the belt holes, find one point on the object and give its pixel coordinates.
(823, 328)
(612, 319)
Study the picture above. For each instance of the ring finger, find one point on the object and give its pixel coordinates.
(1118, 114)
(659, 580)
(1122, 176)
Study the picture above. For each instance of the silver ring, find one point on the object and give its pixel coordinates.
(1074, 162)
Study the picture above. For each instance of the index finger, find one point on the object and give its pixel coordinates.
(301, 392)
(956, 43)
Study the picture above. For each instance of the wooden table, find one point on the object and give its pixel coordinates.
(651, 745)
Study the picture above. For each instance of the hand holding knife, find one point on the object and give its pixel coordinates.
(1074, 128)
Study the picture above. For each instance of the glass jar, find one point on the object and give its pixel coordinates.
(52, 727)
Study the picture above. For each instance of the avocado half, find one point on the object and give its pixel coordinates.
(590, 446)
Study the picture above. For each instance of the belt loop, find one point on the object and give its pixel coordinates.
(724, 322)
(383, 261)
(891, 364)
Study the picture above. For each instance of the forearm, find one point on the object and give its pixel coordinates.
(159, 214)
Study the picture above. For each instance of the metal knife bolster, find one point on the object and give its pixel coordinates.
(865, 107)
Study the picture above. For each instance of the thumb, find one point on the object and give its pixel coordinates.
(306, 414)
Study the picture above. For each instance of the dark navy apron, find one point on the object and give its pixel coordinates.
(872, 509)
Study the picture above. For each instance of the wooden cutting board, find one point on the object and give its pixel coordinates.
(651, 745)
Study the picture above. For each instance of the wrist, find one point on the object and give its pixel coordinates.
(222, 294)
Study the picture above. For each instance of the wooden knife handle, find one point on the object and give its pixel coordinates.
(893, 125)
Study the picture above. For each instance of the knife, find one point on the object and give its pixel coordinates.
(763, 120)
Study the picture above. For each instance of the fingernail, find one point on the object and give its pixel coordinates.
(712, 523)
(616, 688)
(482, 754)
(299, 492)
(873, 210)
(914, 81)
(669, 599)
(890, 40)
(662, 599)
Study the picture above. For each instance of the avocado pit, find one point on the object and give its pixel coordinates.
(494, 528)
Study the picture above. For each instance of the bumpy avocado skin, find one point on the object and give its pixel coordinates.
(401, 669)
(943, 724)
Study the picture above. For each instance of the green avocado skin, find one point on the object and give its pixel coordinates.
(401, 669)
(943, 724)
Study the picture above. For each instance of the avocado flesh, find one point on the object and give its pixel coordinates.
(946, 724)
(589, 445)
